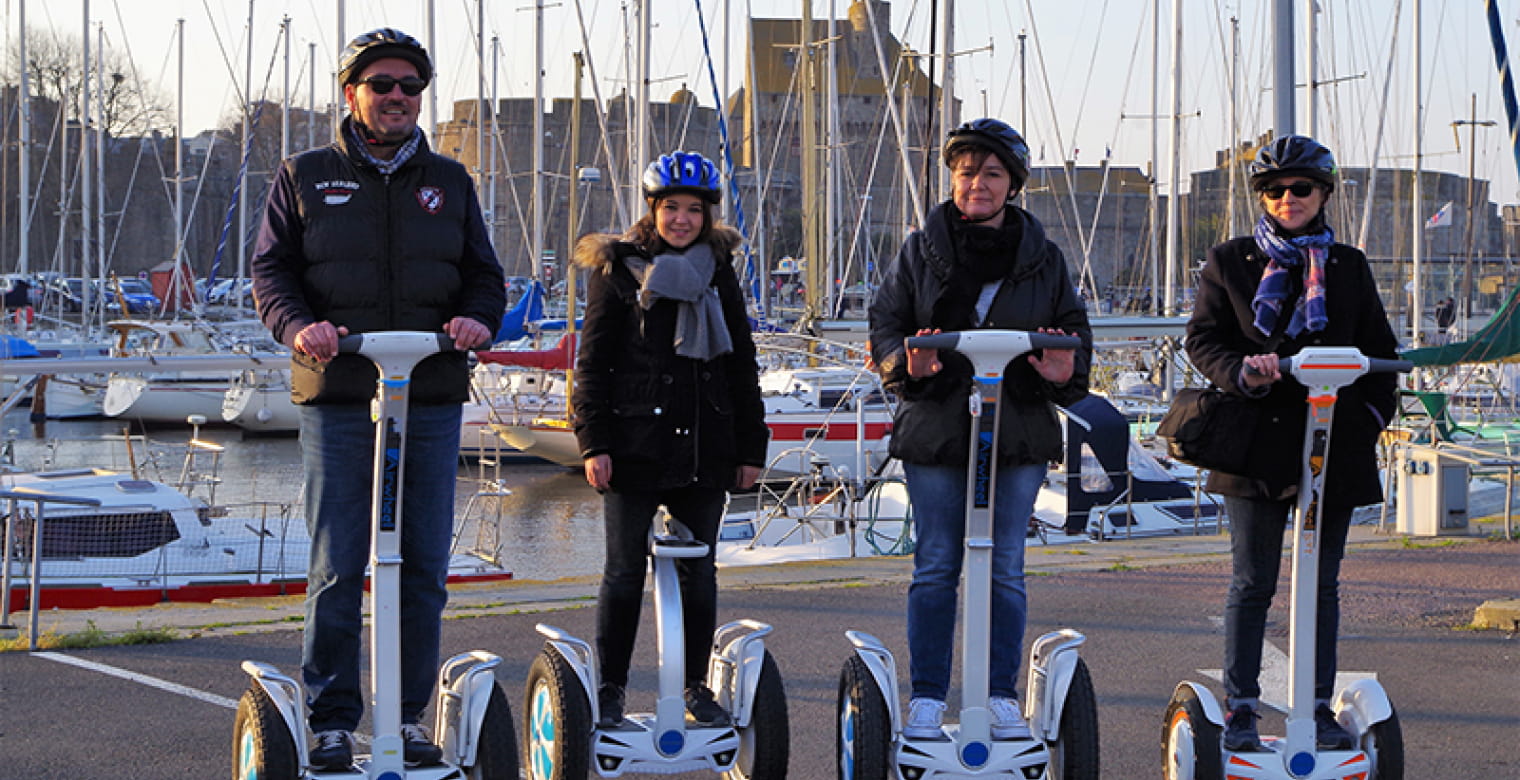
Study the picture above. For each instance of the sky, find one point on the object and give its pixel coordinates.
(1089, 64)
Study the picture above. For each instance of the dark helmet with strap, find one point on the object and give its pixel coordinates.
(994, 136)
(687, 172)
(377, 45)
(1293, 155)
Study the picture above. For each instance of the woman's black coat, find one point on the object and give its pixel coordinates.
(667, 421)
(1220, 335)
(932, 424)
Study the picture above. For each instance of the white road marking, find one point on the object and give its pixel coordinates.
(141, 679)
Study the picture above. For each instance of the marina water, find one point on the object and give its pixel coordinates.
(550, 526)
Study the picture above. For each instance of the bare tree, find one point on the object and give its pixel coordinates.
(126, 106)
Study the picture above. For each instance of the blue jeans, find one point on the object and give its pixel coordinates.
(1256, 547)
(628, 515)
(938, 496)
(337, 452)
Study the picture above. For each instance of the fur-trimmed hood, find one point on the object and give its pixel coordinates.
(597, 250)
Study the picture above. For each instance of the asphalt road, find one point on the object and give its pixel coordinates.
(1457, 690)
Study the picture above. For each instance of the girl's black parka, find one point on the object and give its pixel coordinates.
(666, 421)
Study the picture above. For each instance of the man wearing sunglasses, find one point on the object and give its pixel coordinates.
(375, 232)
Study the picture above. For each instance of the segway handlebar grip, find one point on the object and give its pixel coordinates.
(354, 343)
(1023, 341)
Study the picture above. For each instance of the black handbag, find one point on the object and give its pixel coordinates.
(1210, 429)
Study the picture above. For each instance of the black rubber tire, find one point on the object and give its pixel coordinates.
(262, 746)
(863, 728)
(556, 721)
(1384, 743)
(1074, 756)
(496, 753)
(765, 745)
(1189, 736)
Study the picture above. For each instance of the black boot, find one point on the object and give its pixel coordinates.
(609, 699)
(703, 707)
(1328, 733)
(1240, 730)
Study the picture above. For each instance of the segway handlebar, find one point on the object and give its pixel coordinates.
(1335, 367)
(990, 350)
(395, 341)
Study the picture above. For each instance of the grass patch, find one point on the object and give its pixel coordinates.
(1410, 543)
(1119, 566)
(92, 636)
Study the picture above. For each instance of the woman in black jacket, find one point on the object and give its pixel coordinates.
(667, 408)
(1263, 297)
(979, 262)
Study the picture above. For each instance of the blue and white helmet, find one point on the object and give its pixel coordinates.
(682, 172)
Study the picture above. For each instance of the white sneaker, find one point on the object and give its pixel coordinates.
(925, 716)
(1007, 721)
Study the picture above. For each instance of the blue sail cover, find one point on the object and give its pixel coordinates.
(530, 307)
(16, 347)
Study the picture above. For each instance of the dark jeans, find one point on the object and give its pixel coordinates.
(938, 495)
(1256, 545)
(337, 452)
(629, 515)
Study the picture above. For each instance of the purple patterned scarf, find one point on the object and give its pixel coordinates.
(1283, 254)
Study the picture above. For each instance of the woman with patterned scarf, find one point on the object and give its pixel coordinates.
(667, 409)
(1262, 297)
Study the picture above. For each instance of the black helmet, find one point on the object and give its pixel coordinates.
(997, 137)
(682, 172)
(1293, 155)
(378, 44)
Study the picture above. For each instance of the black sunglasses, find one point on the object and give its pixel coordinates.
(411, 86)
(1300, 189)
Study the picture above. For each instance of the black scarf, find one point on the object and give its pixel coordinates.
(980, 255)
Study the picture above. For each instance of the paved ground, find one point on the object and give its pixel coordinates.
(1149, 608)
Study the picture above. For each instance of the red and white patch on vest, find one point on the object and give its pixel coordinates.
(431, 198)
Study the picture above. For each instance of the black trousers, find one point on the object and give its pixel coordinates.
(628, 516)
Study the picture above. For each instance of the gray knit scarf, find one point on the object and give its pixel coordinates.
(386, 167)
(686, 277)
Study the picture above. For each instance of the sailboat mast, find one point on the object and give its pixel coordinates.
(538, 138)
(1282, 67)
(640, 108)
(86, 184)
(285, 110)
(432, 47)
(1174, 192)
(947, 89)
(812, 238)
(1311, 69)
(1234, 146)
(179, 152)
(1416, 207)
(1155, 194)
(24, 155)
(242, 241)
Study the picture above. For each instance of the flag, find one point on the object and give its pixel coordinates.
(1441, 218)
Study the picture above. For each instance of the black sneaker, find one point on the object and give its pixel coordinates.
(1240, 730)
(417, 747)
(1328, 732)
(609, 702)
(703, 708)
(334, 751)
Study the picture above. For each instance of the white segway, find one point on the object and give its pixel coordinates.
(562, 735)
(1192, 737)
(472, 719)
(1059, 702)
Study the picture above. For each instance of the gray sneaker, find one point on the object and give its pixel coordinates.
(417, 747)
(925, 718)
(1007, 721)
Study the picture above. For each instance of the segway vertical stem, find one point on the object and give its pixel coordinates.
(394, 356)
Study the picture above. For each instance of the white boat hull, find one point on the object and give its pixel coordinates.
(163, 400)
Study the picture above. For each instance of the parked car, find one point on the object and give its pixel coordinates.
(223, 293)
(137, 294)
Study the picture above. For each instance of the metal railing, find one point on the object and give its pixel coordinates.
(41, 500)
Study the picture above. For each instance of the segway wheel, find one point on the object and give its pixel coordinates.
(1074, 755)
(496, 751)
(1384, 743)
(765, 744)
(557, 738)
(262, 747)
(1190, 741)
(864, 735)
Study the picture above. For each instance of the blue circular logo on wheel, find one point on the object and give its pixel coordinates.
(1301, 764)
(975, 754)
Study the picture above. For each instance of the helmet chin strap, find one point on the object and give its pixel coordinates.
(369, 137)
